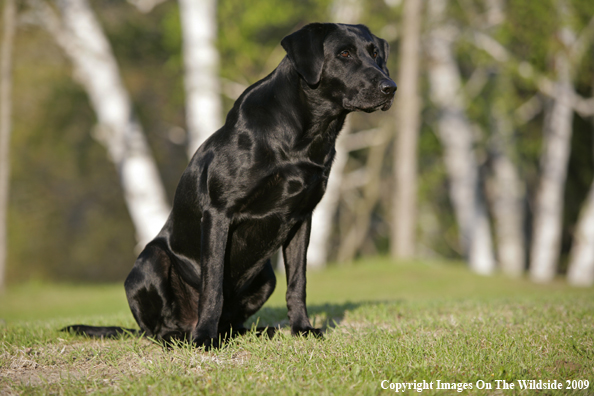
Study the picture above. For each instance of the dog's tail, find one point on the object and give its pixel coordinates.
(100, 331)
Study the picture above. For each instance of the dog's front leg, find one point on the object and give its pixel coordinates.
(214, 233)
(295, 252)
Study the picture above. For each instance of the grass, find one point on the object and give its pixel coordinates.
(383, 321)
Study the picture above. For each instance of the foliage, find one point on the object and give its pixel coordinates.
(250, 33)
(65, 199)
(67, 217)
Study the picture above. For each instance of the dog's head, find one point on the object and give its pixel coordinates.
(346, 63)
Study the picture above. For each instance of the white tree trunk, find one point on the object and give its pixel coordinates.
(548, 208)
(9, 22)
(201, 62)
(455, 134)
(507, 195)
(82, 39)
(581, 258)
(370, 194)
(408, 114)
(344, 11)
(145, 6)
(317, 253)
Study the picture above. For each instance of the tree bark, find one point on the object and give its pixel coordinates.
(581, 257)
(323, 215)
(9, 15)
(145, 6)
(346, 11)
(455, 134)
(508, 193)
(548, 208)
(408, 114)
(79, 34)
(201, 62)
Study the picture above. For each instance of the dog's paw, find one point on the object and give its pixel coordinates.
(309, 331)
(207, 342)
(269, 332)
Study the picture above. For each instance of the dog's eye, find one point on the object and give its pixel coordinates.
(375, 53)
(345, 54)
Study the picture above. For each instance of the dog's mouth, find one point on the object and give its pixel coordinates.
(387, 104)
(384, 106)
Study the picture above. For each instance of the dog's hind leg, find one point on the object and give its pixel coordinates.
(162, 304)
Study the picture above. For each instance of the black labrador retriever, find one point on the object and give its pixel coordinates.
(251, 188)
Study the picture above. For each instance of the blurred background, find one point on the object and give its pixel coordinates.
(487, 155)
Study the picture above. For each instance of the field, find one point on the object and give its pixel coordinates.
(384, 324)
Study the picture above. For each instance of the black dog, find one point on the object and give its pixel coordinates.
(250, 189)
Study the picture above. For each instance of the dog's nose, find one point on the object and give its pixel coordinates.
(388, 87)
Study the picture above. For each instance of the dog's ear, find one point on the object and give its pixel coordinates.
(305, 49)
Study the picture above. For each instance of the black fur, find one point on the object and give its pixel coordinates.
(250, 189)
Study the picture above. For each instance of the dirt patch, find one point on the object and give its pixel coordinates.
(102, 364)
(90, 361)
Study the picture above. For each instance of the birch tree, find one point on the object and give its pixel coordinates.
(455, 134)
(563, 101)
(145, 6)
(581, 259)
(548, 207)
(508, 193)
(8, 33)
(202, 83)
(408, 114)
(371, 190)
(343, 11)
(317, 253)
(201, 65)
(78, 33)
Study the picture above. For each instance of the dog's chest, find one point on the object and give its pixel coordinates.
(282, 200)
(289, 190)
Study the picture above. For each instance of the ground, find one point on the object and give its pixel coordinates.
(385, 324)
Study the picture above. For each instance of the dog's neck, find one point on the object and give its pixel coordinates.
(303, 120)
(319, 115)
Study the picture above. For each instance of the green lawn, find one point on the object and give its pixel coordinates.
(396, 322)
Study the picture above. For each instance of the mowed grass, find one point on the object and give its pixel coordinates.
(402, 322)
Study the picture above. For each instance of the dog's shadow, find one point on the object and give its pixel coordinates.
(324, 316)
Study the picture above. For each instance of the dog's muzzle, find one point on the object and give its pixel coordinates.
(388, 88)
